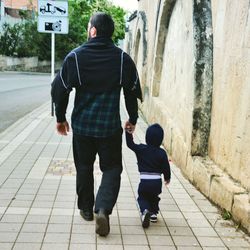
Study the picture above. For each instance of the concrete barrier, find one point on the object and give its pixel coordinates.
(24, 64)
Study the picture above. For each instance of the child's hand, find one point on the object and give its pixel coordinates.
(129, 127)
(166, 183)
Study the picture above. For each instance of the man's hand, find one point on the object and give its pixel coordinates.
(129, 127)
(62, 128)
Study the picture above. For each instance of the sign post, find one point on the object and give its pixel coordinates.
(53, 18)
(52, 56)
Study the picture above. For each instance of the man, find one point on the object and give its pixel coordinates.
(97, 70)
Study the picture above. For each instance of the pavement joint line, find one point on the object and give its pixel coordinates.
(41, 182)
(29, 171)
(199, 211)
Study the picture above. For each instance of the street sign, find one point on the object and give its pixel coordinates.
(58, 25)
(53, 8)
(53, 16)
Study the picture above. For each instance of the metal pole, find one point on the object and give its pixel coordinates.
(52, 56)
(52, 66)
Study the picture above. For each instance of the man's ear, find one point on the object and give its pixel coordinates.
(93, 32)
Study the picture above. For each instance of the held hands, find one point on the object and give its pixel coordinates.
(129, 127)
(166, 183)
(62, 128)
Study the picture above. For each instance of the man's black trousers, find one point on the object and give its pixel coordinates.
(109, 150)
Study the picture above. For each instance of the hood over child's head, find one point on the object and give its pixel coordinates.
(154, 135)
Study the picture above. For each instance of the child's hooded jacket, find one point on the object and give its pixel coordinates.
(151, 158)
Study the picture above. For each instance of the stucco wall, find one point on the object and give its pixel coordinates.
(229, 144)
(193, 57)
(176, 92)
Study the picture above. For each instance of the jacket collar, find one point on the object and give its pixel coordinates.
(99, 41)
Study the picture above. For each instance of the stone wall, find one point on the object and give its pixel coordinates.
(193, 58)
(25, 64)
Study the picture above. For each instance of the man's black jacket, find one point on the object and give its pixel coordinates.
(96, 67)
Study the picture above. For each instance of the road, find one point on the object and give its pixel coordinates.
(20, 93)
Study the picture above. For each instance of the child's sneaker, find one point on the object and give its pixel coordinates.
(153, 218)
(145, 218)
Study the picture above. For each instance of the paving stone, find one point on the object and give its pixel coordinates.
(206, 231)
(40, 211)
(160, 240)
(178, 231)
(61, 211)
(189, 248)
(111, 239)
(128, 213)
(2, 209)
(25, 197)
(156, 230)
(42, 204)
(132, 230)
(194, 215)
(18, 203)
(108, 247)
(185, 241)
(198, 223)
(52, 237)
(64, 204)
(132, 239)
(132, 247)
(9, 218)
(176, 222)
(130, 221)
(236, 242)
(50, 246)
(8, 237)
(34, 228)
(83, 238)
(61, 219)
(59, 228)
(82, 247)
(30, 237)
(10, 227)
(6, 246)
(37, 218)
(210, 241)
(172, 215)
(27, 246)
(78, 229)
(218, 248)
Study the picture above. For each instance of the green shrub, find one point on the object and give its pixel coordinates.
(23, 39)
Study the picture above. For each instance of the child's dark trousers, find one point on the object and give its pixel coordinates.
(148, 195)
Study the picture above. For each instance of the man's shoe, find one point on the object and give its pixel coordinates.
(102, 223)
(145, 218)
(87, 215)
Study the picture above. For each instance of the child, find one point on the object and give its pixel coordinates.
(152, 162)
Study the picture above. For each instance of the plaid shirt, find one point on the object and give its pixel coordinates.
(96, 115)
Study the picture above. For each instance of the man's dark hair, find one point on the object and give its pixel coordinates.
(103, 23)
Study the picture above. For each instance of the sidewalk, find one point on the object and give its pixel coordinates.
(38, 201)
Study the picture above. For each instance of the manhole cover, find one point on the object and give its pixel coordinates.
(59, 167)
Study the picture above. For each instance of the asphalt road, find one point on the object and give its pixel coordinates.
(20, 93)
